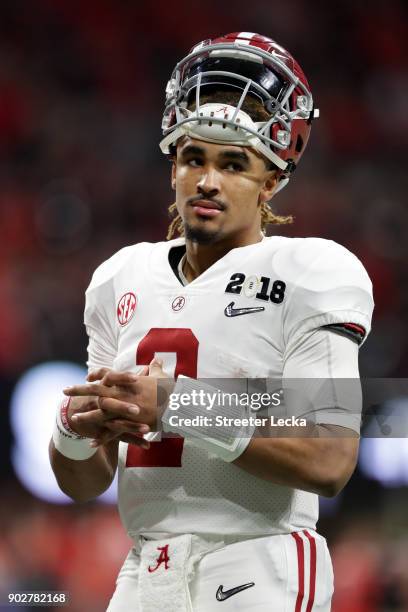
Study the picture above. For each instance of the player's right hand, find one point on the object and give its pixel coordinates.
(96, 426)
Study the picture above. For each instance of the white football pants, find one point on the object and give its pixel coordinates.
(281, 573)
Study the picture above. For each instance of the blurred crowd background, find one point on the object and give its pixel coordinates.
(81, 175)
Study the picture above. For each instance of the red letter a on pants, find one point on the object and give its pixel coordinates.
(162, 558)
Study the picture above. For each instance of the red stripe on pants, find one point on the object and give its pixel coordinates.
(312, 581)
(301, 570)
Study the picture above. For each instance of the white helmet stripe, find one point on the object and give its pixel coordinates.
(248, 35)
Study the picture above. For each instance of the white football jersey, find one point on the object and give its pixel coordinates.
(137, 308)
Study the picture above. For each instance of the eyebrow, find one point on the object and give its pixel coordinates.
(235, 156)
(231, 155)
(192, 150)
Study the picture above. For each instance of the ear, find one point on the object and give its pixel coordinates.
(269, 186)
(173, 174)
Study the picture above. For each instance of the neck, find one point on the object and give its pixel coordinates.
(199, 257)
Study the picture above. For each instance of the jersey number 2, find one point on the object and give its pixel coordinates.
(182, 341)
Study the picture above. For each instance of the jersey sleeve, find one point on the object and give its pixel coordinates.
(327, 287)
(102, 342)
(100, 311)
(321, 380)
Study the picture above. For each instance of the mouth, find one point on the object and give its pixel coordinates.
(206, 208)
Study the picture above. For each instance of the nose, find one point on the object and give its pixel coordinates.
(209, 182)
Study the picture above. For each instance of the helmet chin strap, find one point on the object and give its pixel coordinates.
(282, 183)
(222, 124)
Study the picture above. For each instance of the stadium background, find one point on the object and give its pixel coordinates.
(81, 175)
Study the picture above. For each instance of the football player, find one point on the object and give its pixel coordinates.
(220, 520)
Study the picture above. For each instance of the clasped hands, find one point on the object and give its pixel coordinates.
(118, 405)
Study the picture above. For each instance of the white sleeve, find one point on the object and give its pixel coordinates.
(102, 343)
(99, 315)
(321, 379)
(326, 285)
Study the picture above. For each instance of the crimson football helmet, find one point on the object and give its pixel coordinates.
(255, 66)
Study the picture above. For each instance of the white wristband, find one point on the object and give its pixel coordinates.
(217, 439)
(66, 440)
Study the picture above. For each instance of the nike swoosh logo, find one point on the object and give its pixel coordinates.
(223, 595)
(230, 311)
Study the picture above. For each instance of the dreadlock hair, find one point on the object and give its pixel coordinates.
(257, 112)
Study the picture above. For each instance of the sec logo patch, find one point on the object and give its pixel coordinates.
(126, 308)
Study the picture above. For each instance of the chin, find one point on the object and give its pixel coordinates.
(201, 235)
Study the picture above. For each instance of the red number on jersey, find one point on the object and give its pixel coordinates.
(182, 341)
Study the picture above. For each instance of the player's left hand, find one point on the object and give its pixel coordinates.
(124, 398)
